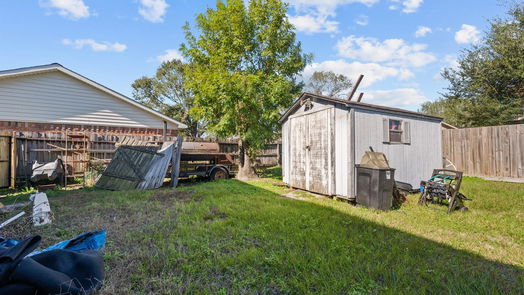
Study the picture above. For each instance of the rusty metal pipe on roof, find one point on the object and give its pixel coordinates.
(355, 87)
(360, 96)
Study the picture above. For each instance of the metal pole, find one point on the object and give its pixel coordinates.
(360, 96)
(355, 87)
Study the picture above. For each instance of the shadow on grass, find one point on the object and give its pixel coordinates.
(303, 247)
(236, 237)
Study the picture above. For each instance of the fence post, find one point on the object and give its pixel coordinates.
(175, 162)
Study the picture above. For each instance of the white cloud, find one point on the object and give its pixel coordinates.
(326, 6)
(393, 7)
(408, 6)
(372, 72)
(422, 31)
(94, 45)
(170, 55)
(394, 52)
(451, 62)
(153, 10)
(316, 16)
(310, 24)
(411, 5)
(74, 9)
(362, 20)
(467, 34)
(400, 97)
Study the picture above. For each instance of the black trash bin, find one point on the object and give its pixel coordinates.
(375, 187)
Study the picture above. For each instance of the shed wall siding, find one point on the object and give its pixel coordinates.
(54, 97)
(413, 162)
(285, 151)
(341, 151)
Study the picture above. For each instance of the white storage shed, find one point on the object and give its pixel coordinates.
(323, 138)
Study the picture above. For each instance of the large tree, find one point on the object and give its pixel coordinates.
(244, 64)
(487, 87)
(328, 83)
(166, 93)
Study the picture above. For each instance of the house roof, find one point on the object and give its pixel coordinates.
(353, 104)
(58, 67)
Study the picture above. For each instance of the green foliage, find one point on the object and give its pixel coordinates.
(328, 83)
(487, 88)
(166, 93)
(452, 110)
(244, 65)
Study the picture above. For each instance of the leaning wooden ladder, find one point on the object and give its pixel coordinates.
(444, 184)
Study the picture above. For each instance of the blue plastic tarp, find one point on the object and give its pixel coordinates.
(87, 241)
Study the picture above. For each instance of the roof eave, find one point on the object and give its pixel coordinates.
(354, 104)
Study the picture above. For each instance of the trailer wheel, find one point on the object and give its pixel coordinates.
(219, 173)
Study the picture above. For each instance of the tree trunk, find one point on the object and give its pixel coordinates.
(245, 167)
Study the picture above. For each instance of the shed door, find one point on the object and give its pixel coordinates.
(297, 154)
(311, 155)
(4, 160)
(319, 168)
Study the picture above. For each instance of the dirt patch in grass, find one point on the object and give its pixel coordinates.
(169, 197)
(293, 195)
(215, 213)
(131, 219)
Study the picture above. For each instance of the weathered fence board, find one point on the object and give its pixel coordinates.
(128, 167)
(154, 177)
(5, 161)
(493, 152)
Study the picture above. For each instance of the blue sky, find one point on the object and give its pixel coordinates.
(399, 45)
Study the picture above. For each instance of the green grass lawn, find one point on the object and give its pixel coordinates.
(231, 237)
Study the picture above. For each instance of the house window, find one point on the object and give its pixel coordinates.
(395, 130)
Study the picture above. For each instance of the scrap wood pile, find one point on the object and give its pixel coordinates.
(443, 186)
(70, 267)
(141, 166)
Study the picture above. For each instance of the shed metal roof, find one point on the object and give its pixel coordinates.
(354, 104)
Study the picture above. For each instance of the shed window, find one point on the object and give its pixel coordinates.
(396, 131)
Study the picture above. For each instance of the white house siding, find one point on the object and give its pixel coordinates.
(413, 162)
(54, 97)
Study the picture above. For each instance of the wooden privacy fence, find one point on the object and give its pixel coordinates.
(492, 152)
(48, 146)
(19, 149)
